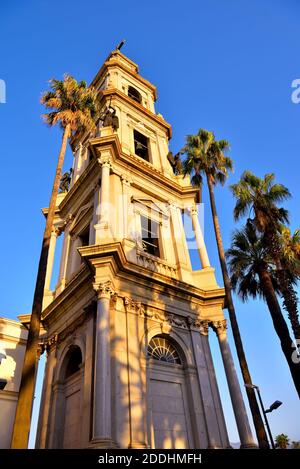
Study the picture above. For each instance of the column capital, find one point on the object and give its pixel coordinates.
(200, 324)
(69, 218)
(220, 327)
(104, 289)
(193, 210)
(126, 179)
(104, 161)
(56, 231)
(132, 305)
(172, 204)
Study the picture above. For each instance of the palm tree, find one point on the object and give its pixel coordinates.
(74, 107)
(252, 274)
(295, 444)
(282, 441)
(290, 272)
(206, 157)
(262, 195)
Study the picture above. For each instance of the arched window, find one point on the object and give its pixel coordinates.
(160, 348)
(134, 94)
(74, 360)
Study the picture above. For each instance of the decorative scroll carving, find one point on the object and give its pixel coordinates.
(220, 327)
(200, 324)
(177, 321)
(104, 160)
(167, 320)
(133, 306)
(104, 289)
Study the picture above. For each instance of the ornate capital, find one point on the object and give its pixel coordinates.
(126, 180)
(132, 305)
(56, 231)
(104, 160)
(220, 327)
(200, 324)
(69, 219)
(193, 210)
(104, 290)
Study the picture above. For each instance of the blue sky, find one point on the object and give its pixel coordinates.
(223, 65)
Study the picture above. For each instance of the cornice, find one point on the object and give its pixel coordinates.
(95, 255)
(70, 294)
(130, 163)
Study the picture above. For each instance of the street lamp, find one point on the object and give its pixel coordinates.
(272, 407)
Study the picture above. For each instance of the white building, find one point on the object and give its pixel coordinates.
(13, 337)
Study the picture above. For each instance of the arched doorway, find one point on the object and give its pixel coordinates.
(169, 415)
(72, 387)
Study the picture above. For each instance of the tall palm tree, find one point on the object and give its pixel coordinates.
(74, 107)
(282, 441)
(290, 271)
(262, 195)
(205, 156)
(252, 274)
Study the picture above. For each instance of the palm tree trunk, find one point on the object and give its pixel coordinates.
(280, 326)
(256, 415)
(26, 393)
(290, 301)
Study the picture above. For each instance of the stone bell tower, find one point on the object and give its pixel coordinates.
(128, 357)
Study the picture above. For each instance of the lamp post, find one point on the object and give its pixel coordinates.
(272, 407)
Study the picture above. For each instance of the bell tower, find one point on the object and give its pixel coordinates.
(128, 357)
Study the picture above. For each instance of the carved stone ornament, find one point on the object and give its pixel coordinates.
(104, 290)
(220, 327)
(104, 160)
(200, 324)
(171, 319)
(133, 306)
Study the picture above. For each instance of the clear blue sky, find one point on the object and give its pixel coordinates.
(223, 65)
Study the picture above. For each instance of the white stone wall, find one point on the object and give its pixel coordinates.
(12, 348)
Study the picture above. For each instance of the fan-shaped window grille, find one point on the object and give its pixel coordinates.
(161, 349)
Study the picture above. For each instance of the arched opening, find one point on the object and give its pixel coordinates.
(74, 361)
(134, 94)
(70, 400)
(170, 425)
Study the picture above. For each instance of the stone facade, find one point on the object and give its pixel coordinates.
(128, 358)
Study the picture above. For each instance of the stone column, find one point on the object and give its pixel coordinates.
(75, 260)
(77, 163)
(65, 254)
(211, 426)
(137, 399)
(54, 233)
(127, 220)
(199, 238)
(102, 428)
(46, 399)
(180, 244)
(102, 225)
(96, 205)
(220, 327)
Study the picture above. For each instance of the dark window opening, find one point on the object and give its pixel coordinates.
(74, 362)
(141, 145)
(85, 237)
(134, 94)
(90, 155)
(150, 230)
